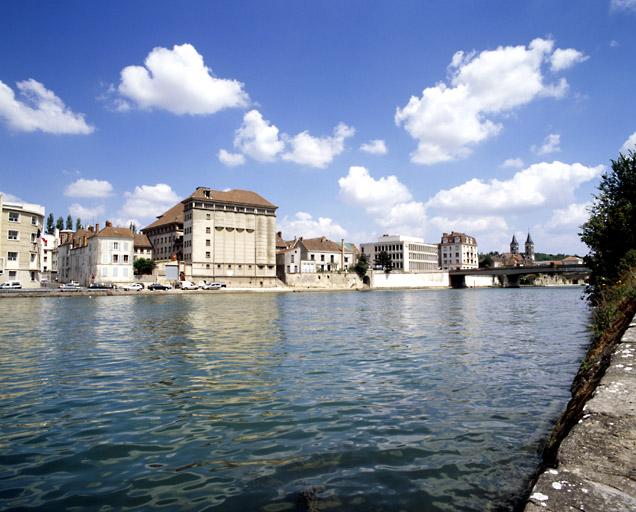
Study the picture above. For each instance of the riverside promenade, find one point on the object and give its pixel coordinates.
(596, 468)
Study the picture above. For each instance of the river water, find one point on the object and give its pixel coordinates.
(390, 400)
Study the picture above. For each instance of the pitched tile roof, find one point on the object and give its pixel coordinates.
(321, 244)
(234, 196)
(142, 241)
(172, 216)
(112, 232)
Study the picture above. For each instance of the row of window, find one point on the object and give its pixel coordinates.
(15, 235)
(15, 217)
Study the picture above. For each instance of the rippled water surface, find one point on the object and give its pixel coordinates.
(416, 400)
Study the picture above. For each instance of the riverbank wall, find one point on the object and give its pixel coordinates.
(590, 460)
(324, 281)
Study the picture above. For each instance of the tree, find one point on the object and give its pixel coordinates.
(384, 260)
(69, 222)
(78, 224)
(144, 266)
(610, 231)
(485, 260)
(361, 266)
(59, 223)
(50, 224)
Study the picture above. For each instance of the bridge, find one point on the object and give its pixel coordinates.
(510, 276)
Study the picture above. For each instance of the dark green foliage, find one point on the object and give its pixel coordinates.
(384, 260)
(69, 222)
(361, 266)
(485, 260)
(50, 224)
(144, 266)
(610, 232)
(78, 224)
(59, 223)
(546, 256)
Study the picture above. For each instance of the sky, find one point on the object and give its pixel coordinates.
(356, 118)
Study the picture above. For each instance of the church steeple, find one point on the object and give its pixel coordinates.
(514, 245)
(529, 255)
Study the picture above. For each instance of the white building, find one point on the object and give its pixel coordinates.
(93, 255)
(409, 254)
(142, 247)
(458, 251)
(48, 255)
(229, 236)
(20, 242)
(315, 255)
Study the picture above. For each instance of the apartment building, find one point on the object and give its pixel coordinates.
(315, 255)
(142, 247)
(20, 242)
(166, 235)
(408, 253)
(48, 255)
(458, 251)
(229, 236)
(93, 255)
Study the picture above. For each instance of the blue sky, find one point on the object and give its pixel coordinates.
(116, 110)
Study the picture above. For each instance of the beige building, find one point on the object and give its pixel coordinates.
(408, 253)
(20, 242)
(142, 247)
(314, 255)
(458, 251)
(229, 236)
(166, 235)
(93, 255)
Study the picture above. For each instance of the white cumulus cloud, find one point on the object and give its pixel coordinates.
(623, 5)
(374, 147)
(258, 138)
(230, 159)
(318, 151)
(388, 201)
(569, 217)
(513, 163)
(178, 81)
(565, 58)
(86, 213)
(540, 185)
(39, 109)
(89, 188)
(149, 201)
(551, 144)
(629, 144)
(305, 225)
(448, 119)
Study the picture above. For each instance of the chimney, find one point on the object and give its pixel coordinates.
(109, 224)
(90, 228)
(96, 228)
(279, 234)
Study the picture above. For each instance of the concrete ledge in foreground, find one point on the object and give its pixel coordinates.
(597, 461)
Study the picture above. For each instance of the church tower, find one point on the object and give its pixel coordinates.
(529, 249)
(514, 245)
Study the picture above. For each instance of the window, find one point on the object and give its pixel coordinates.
(13, 235)
(34, 238)
(115, 269)
(207, 216)
(13, 274)
(32, 276)
(115, 245)
(207, 265)
(207, 243)
(125, 258)
(34, 221)
(332, 258)
(32, 257)
(292, 258)
(322, 257)
(311, 257)
(12, 256)
(208, 230)
(207, 254)
(14, 217)
(115, 257)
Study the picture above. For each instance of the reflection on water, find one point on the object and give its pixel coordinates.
(418, 400)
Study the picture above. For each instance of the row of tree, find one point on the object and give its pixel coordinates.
(52, 224)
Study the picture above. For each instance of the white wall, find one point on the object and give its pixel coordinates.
(379, 279)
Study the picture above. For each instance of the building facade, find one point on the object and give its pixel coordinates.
(48, 255)
(142, 247)
(229, 236)
(514, 258)
(21, 227)
(408, 254)
(93, 255)
(315, 255)
(166, 235)
(458, 251)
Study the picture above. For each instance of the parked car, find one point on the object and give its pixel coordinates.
(70, 287)
(159, 286)
(204, 285)
(216, 285)
(11, 285)
(133, 287)
(102, 286)
(188, 285)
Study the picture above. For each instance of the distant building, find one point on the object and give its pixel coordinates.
(514, 258)
(229, 236)
(166, 235)
(93, 255)
(21, 227)
(409, 254)
(314, 255)
(142, 247)
(48, 255)
(458, 251)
